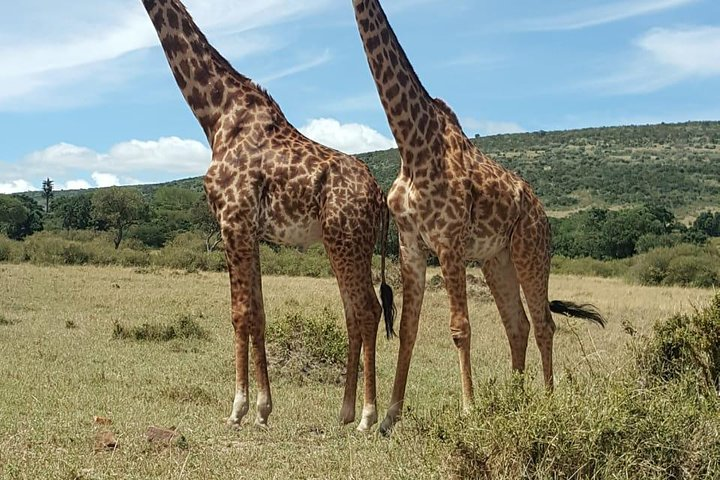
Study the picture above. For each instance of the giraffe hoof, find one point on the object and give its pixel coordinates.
(261, 424)
(347, 416)
(232, 423)
(386, 427)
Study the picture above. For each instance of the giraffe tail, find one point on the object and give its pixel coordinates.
(585, 311)
(386, 292)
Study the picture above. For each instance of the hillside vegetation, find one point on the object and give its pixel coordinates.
(675, 165)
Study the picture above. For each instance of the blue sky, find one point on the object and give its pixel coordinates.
(87, 98)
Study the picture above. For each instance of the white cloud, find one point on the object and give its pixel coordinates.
(599, 15)
(16, 186)
(73, 166)
(76, 185)
(349, 137)
(488, 127)
(664, 57)
(168, 154)
(105, 179)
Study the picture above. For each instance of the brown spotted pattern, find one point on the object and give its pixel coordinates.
(266, 181)
(452, 200)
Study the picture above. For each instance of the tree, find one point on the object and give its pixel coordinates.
(204, 220)
(75, 212)
(20, 216)
(708, 223)
(47, 186)
(119, 208)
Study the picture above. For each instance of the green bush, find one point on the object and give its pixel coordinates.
(605, 429)
(686, 344)
(10, 250)
(590, 266)
(75, 248)
(686, 265)
(303, 346)
(292, 262)
(187, 251)
(184, 327)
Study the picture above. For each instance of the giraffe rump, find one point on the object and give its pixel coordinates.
(585, 311)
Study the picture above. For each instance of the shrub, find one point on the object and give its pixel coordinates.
(187, 251)
(686, 344)
(593, 430)
(78, 248)
(687, 265)
(292, 262)
(10, 250)
(590, 266)
(184, 327)
(303, 346)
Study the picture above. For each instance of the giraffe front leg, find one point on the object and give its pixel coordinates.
(257, 335)
(240, 403)
(452, 264)
(414, 264)
(240, 261)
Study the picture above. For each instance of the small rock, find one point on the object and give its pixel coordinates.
(165, 436)
(102, 420)
(105, 441)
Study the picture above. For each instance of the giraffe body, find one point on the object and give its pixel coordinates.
(266, 181)
(449, 198)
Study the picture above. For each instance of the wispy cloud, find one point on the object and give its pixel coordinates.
(295, 69)
(473, 60)
(665, 57)
(599, 15)
(72, 51)
(368, 101)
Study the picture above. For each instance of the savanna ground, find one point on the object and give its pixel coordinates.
(60, 366)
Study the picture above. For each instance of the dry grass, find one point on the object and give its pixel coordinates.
(54, 379)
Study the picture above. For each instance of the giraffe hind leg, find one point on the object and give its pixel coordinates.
(531, 257)
(244, 272)
(502, 279)
(352, 268)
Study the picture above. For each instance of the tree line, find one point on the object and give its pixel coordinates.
(598, 233)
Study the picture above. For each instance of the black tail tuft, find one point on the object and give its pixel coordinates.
(388, 306)
(585, 311)
(386, 293)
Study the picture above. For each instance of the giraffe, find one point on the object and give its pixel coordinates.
(451, 199)
(268, 182)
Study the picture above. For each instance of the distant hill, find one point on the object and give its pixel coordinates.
(675, 165)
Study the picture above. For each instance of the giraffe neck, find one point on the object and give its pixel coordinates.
(212, 88)
(408, 106)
